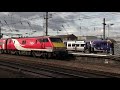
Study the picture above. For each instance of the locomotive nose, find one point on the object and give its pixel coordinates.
(59, 45)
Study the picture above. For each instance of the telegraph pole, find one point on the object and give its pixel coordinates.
(104, 28)
(0, 30)
(46, 23)
(80, 31)
(1, 35)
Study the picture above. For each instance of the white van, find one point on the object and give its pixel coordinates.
(75, 45)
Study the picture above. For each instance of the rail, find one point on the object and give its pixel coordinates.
(45, 71)
(52, 70)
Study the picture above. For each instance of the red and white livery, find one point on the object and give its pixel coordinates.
(45, 46)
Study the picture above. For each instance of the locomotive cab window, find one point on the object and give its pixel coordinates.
(40, 40)
(45, 40)
(58, 40)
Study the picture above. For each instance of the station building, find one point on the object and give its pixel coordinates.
(87, 38)
(70, 37)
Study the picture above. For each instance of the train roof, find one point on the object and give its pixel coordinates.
(74, 41)
(77, 42)
(99, 41)
(31, 37)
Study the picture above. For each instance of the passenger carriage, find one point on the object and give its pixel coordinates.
(75, 45)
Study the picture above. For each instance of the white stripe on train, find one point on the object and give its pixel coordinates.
(18, 46)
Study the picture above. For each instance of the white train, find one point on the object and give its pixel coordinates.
(75, 45)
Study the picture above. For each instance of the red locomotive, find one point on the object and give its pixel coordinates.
(42, 46)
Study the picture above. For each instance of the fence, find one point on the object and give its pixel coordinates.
(117, 48)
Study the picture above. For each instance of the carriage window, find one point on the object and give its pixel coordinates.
(73, 45)
(69, 45)
(82, 45)
(77, 45)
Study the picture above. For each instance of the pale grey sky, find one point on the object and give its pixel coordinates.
(78, 23)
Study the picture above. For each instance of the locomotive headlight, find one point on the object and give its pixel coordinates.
(59, 48)
(55, 48)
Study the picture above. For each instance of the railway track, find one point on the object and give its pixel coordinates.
(44, 71)
(35, 71)
(31, 68)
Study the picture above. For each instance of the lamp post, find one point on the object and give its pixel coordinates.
(109, 28)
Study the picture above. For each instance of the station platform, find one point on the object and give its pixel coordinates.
(90, 54)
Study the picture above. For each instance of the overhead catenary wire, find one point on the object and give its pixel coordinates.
(65, 29)
(8, 25)
(85, 17)
(21, 21)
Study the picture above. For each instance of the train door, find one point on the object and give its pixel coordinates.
(74, 46)
(8, 44)
(42, 46)
(77, 46)
(65, 43)
(5, 43)
(44, 43)
(69, 46)
(41, 43)
(4, 46)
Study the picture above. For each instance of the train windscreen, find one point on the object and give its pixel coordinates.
(58, 40)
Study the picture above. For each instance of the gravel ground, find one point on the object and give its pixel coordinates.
(78, 65)
(8, 74)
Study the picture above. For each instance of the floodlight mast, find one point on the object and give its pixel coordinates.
(46, 23)
(104, 28)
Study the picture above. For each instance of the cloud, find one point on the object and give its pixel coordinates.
(72, 22)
